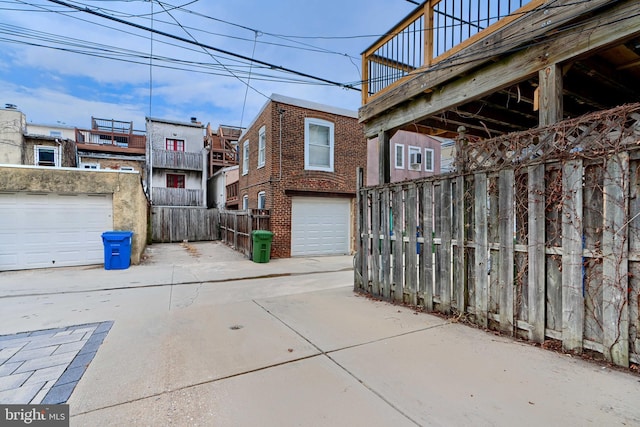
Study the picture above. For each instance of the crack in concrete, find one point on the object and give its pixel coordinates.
(327, 354)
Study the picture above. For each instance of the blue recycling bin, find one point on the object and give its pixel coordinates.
(117, 249)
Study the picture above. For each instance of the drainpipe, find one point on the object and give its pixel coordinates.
(280, 113)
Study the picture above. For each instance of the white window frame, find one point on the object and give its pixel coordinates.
(318, 122)
(245, 202)
(429, 166)
(95, 166)
(400, 164)
(414, 150)
(262, 146)
(245, 157)
(56, 155)
(262, 200)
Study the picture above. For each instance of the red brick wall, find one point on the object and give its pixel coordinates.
(350, 152)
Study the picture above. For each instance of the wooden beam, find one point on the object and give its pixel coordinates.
(384, 158)
(508, 71)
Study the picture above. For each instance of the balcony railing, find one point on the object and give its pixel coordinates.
(232, 194)
(432, 33)
(177, 160)
(224, 157)
(123, 140)
(176, 197)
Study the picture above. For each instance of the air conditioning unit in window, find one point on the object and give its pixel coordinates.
(415, 158)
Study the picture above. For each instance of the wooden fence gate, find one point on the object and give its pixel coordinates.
(236, 227)
(539, 237)
(180, 223)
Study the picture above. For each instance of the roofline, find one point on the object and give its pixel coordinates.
(174, 122)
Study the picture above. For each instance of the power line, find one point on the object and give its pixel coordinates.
(185, 40)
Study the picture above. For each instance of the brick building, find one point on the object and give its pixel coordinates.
(299, 160)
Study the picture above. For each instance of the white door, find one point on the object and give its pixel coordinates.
(320, 226)
(39, 230)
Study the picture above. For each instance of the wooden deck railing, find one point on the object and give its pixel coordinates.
(176, 197)
(430, 34)
(177, 160)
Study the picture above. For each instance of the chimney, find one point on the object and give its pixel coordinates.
(11, 106)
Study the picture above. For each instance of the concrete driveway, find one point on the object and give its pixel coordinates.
(203, 337)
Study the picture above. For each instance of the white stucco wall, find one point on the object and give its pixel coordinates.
(12, 127)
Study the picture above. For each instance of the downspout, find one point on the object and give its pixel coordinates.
(280, 113)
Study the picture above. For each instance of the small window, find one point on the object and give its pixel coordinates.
(262, 200)
(46, 156)
(55, 133)
(245, 158)
(318, 145)
(399, 156)
(245, 202)
(262, 146)
(175, 181)
(428, 159)
(415, 158)
(90, 165)
(126, 168)
(175, 144)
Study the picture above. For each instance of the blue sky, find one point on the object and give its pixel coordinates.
(57, 84)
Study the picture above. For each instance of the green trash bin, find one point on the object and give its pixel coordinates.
(261, 245)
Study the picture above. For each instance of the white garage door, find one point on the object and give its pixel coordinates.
(52, 230)
(320, 226)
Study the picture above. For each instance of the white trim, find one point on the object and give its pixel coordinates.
(93, 166)
(429, 166)
(245, 202)
(56, 155)
(245, 157)
(262, 146)
(398, 165)
(264, 199)
(318, 122)
(414, 150)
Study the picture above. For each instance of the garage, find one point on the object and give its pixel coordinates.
(320, 226)
(39, 230)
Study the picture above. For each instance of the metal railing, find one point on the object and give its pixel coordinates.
(124, 140)
(430, 34)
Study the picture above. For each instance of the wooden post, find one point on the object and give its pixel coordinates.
(615, 251)
(411, 253)
(398, 258)
(506, 235)
(459, 267)
(357, 271)
(364, 233)
(445, 246)
(386, 243)
(481, 240)
(426, 256)
(384, 157)
(550, 111)
(375, 243)
(536, 252)
(572, 280)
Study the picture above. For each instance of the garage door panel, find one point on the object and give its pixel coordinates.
(52, 230)
(320, 226)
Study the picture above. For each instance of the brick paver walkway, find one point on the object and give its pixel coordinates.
(45, 366)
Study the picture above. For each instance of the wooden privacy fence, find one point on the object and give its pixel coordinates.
(541, 239)
(179, 223)
(236, 227)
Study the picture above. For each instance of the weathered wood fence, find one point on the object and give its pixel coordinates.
(540, 239)
(179, 223)
(236, 227)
